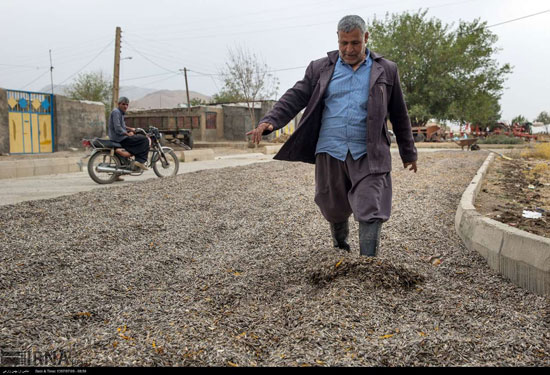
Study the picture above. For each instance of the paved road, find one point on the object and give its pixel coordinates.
(44, 187)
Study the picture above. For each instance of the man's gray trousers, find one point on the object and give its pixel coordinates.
(346, 187)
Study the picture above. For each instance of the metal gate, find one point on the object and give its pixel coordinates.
(30, 122)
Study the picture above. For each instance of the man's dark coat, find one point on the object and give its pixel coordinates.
(385, 98)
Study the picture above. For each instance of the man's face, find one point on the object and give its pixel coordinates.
(123, 106)
(352, 46)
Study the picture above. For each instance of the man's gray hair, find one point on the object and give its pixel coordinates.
(123, 100)
(349, 23)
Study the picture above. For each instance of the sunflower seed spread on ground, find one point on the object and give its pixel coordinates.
(235, 267)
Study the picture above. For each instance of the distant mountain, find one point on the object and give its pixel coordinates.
(135, 92)
(166, 99)
(145, 98)
(131, 92)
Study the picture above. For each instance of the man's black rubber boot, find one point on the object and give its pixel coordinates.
(340, 233)
(369, 238)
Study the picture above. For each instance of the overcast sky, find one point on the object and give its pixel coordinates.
(164, 36)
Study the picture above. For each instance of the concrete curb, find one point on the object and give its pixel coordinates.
(452, 145)
(270, 150)
(195, 155)
(521, 257)
(52, 165)
(38, 167)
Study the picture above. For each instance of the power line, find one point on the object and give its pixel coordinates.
(247, 31)
(519, 18)
(163, 79)
(148, 59)
(16, 71)
(204, 74)
(36, 79)
(23, 66)
(497, 24)
(280, 70)
(267, 71)
(212, 75)
(263, 30)
(89, 62)
(153, 48)
(162, 67)
(293, 26)
(75, 51)
(314, 14)
(262, 12)
(148, 76)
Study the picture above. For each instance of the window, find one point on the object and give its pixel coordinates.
(210, 120)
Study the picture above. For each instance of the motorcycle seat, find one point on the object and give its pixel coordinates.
(105, 143)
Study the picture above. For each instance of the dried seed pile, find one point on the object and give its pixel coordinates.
(235, 267)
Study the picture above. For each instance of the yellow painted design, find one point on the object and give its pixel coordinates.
(12, 102)
(45, 133)
(36, 104)
(30, 133)
(27, 139)
(35, 133)
(29, 130)
(16, 134)
(288, 129)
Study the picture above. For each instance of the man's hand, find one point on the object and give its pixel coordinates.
(257, 133)
(412, 166)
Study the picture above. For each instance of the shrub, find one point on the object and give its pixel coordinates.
(500, 139)
(540, 151)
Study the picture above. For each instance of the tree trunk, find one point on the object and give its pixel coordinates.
(252, 117)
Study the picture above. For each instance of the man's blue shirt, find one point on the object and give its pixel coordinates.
(344, 123)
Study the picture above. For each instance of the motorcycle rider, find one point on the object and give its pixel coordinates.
(136, 144)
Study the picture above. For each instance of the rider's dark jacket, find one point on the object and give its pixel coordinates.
(117, 126)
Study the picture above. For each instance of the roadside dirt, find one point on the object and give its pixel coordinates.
(513, 189)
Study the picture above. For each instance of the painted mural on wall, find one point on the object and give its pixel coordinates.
(30, 122)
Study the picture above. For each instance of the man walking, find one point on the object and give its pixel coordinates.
(349, 95)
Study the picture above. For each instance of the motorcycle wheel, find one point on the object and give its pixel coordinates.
(166, 170)
(103, 158)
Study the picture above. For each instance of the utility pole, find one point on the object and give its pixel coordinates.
(117, 68)
(187, 90)
(51, 70)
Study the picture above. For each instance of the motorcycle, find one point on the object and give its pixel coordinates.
(109, 160)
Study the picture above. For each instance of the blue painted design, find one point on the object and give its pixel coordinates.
(24, 105)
